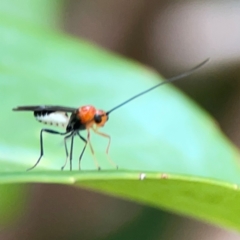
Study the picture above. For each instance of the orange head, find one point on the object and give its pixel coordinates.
(100, 118)
(89, 115)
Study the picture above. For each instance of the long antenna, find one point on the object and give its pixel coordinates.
(185, 74)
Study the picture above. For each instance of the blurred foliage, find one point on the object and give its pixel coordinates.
(12, 203)
(40, 13)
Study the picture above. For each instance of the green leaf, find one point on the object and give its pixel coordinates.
(42, 13)
(188, 164)
(12, 202)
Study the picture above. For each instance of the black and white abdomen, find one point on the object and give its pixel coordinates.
(60, 119)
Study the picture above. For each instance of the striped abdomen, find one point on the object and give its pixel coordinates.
(60, 119)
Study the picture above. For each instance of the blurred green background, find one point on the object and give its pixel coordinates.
(170, 37)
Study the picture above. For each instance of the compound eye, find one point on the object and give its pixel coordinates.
(97, 118)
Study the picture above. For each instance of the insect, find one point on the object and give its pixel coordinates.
(83, 118)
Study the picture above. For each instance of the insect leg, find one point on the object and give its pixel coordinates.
(41, 144)
(108, 146)
(85, 141)
(71, 151)
(92, 151)
(66, 150)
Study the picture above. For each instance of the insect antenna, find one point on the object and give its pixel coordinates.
(185, 74)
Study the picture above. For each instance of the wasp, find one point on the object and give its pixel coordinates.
(87, 117)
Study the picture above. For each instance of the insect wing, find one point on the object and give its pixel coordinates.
(46, 108)
(52, 115)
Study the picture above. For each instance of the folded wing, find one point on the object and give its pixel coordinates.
(46, 108)
(52, 115)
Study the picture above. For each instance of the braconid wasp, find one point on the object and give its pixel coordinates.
(83, 118)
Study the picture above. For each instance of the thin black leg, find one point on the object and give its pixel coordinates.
(85, 141)
(71, 151)
(66, 150)
(41, 144)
